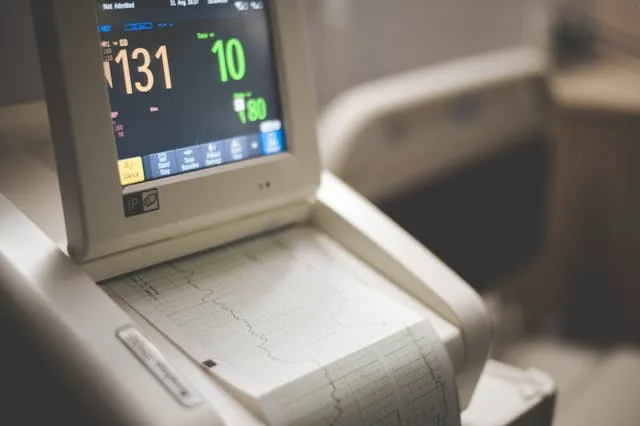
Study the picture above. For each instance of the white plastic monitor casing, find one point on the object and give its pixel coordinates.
(202, 210)
(85, 147)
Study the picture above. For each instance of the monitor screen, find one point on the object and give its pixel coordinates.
(192, 84)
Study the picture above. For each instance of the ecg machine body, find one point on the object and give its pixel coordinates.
(85, 321)
(53, 250)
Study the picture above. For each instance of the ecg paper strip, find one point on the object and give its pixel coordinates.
(290, 321)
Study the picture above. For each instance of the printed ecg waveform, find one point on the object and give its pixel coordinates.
(289, 320)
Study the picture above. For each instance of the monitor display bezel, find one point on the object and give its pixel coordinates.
(87, 160)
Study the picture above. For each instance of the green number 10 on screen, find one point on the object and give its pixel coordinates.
(231, 59)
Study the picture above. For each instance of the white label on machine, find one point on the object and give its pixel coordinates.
(153, 359)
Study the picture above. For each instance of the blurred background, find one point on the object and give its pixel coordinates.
(504, 135)
(347, 38)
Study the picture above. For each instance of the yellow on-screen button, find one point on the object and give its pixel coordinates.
(131, 171)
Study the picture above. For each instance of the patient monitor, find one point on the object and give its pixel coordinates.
(236, 282)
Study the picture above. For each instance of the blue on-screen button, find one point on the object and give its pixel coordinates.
(272, 142)
(162, 164)
(189, 159)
